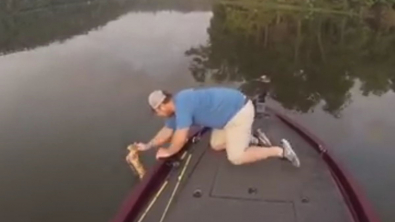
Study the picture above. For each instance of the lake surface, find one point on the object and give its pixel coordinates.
(74, 80)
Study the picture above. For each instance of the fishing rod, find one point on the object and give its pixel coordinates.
(175, 165)
(179, 179)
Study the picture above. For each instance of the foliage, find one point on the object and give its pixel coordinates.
(52, 21)
(25, 24)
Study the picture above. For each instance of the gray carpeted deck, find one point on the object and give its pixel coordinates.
(271, 190)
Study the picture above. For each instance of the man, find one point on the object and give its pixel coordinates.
(227, 111)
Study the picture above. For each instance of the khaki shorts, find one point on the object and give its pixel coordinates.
(236, 134)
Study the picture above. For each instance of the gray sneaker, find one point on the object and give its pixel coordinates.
(263, 139)
(289, 153)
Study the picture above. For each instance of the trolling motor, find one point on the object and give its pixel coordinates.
(259, 102)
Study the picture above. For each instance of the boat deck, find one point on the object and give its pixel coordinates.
(271, 190)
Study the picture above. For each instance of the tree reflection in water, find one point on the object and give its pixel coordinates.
(310, 57)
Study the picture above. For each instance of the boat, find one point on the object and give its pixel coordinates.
(200, 184)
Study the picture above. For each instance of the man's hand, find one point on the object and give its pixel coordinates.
(143, 146)
(163, 153)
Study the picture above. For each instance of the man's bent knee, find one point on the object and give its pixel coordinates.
(236, 160)
(218, 147)
(217, 144)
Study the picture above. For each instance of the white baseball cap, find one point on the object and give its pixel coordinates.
(156, 98)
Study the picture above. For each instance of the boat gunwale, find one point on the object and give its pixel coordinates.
(359, 207)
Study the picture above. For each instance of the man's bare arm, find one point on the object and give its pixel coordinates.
(162, 137)
(178, 141)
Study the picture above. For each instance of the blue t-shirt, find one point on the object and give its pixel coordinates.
(209, 107)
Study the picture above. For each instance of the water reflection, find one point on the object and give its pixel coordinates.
(68, 109)
(310, 58)
(29, 24)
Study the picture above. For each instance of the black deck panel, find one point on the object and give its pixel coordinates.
(271, 190)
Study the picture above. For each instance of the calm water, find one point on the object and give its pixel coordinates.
(74, 79)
